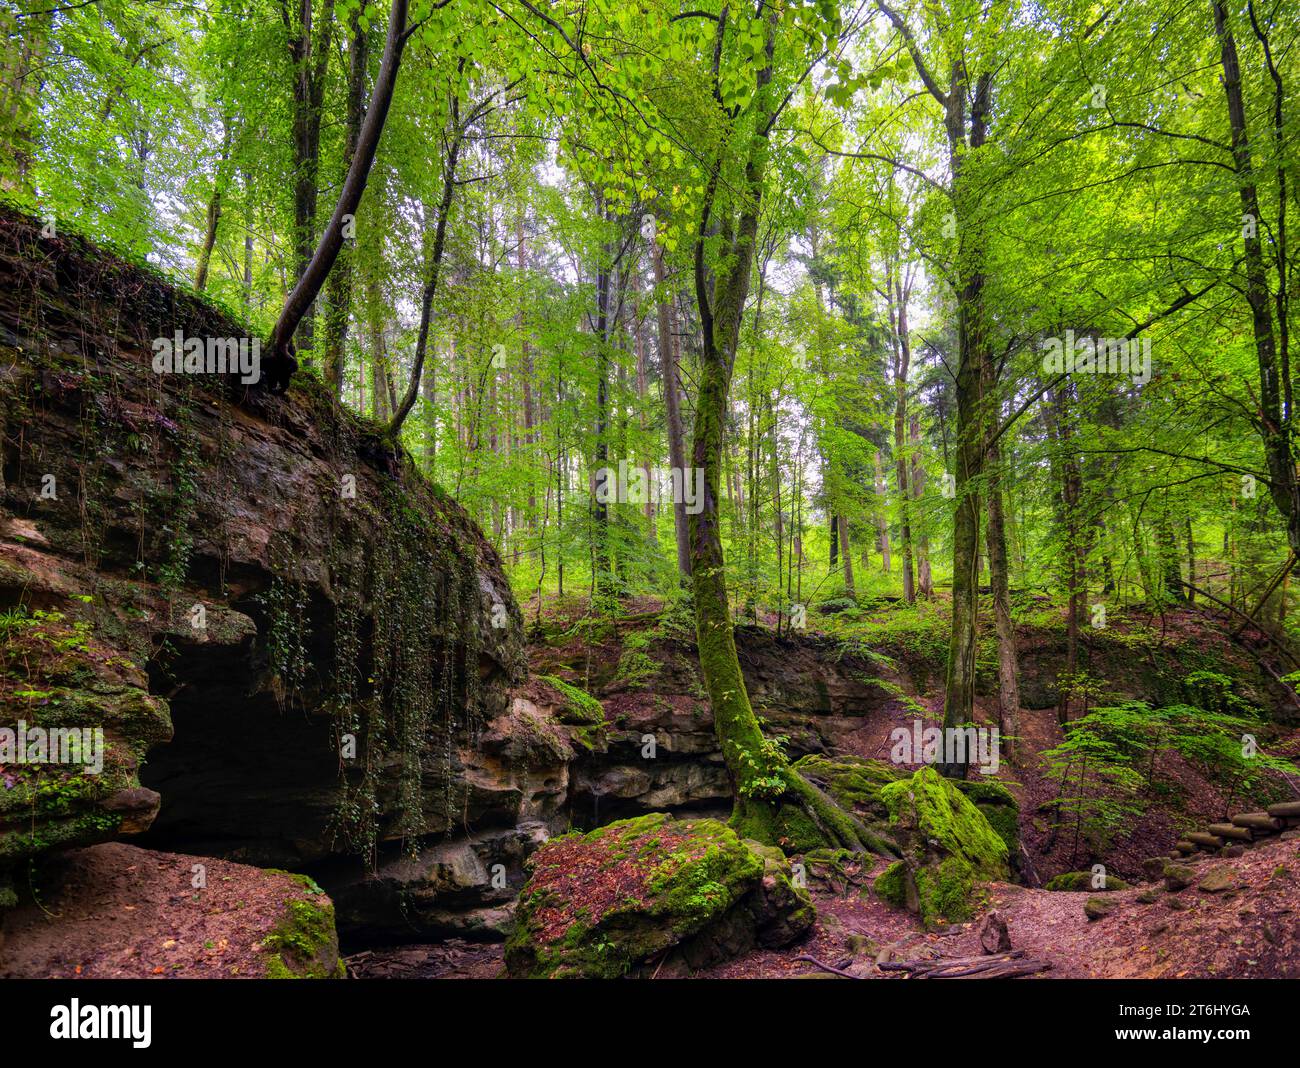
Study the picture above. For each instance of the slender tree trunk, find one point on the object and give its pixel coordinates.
(923, 578)
(959, 695)
(762, 780)
(313, 277)
(902, 361)
(602, 573)
(882, 523)
(339, 287)
(1274, 402)
(1171, 573)
(668, 356)
(1062, 429)
(432, 273)
(526, 356)
(846, 556)
(214, 213)
(310, 57)
(1008, 666)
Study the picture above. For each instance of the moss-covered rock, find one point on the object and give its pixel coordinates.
(600, 904)
(892, 884)
(76, 721)
(1085, 880)
(305, 944)
(1178, 877)
(1095, 908)
(948, 846)
(1001, 810)
(579, 710)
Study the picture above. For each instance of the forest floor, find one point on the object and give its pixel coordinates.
(1249, 929)
(116, 911)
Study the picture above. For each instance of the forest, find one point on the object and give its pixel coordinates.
(649, 488)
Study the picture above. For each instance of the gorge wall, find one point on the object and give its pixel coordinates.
(298, 650)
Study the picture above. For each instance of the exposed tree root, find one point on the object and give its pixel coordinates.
(818, 815)
(841, 827)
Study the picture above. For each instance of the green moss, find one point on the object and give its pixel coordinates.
(986, 792)
(949, 847)
(1083, 880)
(932, 806)
(647, 884)
(579, 710)
(891, 884)
(1006, 822)
(635, 666)
(946, 893)
(57, 673)
(853, 782)
(304, 945)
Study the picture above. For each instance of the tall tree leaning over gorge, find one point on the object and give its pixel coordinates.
(767, 792)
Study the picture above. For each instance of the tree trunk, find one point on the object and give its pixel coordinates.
(923, 578)
(902, 361)
(339, 288)
(1008, 667)
(602, 573)
(310, 57)
(762, 780)
(882, 523)
(214, 214)
(1274, 417)
(309, 285)
(846, 556)
(668, 355)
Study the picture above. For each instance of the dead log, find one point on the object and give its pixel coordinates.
(1285, 809)
(1258, 821)
(996, 966)
(1228, 830)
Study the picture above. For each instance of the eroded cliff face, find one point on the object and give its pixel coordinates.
(325, 643)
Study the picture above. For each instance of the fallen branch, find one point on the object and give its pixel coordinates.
(995, 966)
(828, 968)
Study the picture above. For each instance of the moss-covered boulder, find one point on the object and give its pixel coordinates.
(305, 943)
(1097, 908)
(1085, 880)
(601, 904)
(1001, 810)
(948, 847)
(577, 709)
